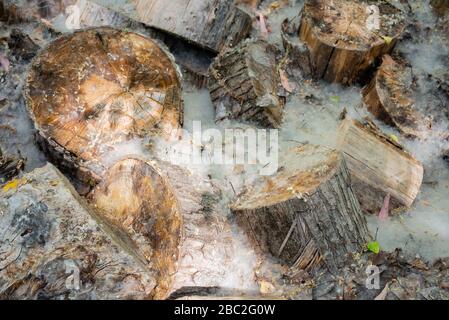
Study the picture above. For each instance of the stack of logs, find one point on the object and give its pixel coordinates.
(90, 91)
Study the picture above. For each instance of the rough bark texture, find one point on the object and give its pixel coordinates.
(47, 235)
(211, 254)
(244, 84)
(134, 199)
(389, 98)
(301, 214)
(94, 89)
(211, 24)
(378, 166)
(9, 166)
(342, 47)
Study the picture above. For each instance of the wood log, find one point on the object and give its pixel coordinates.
(170, 220)
(139, 203)
(378, 166)
(342, 43)
(389, 98)
(212, 24)
(52, 246)
(244, 84)
(306, 213)
(93, 89)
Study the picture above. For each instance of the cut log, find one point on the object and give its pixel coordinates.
(378, 166)
(346, 37)
(96, 88)
(134, 199)
(305, 213)
(389, 98)
(244, 84)
(212, 24)
(51, 247)
(170, 219)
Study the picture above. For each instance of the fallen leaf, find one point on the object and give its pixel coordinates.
(374, 247)
(12, 185)
(284, 81)
(383, 214)
(266, 287)
(275, 5)
(394, 138)
(383, 294)
(4, 62)
(387, 39)
(263, 26)
(335, 99)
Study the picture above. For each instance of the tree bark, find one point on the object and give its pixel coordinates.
(244, 84)
(389, 98)
(378, 166)
(342, 46)
(94, 89)
(10, 167)
(307, 214)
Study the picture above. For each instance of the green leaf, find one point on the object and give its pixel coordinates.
(374, 247)
(387, 39)
(394, 138)
(335, 99)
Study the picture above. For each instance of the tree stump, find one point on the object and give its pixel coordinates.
(93, 89)
(346, 37)
(305, 211)
(378, 166)
(139, 203)
(389, 98)
(244, 84)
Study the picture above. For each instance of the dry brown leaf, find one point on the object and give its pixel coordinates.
(383, 294)
(263, 26)
(285, 82)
